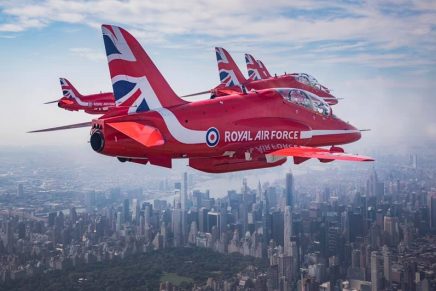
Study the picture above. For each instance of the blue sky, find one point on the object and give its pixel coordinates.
(379, 57)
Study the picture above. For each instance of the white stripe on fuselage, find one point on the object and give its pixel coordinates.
(312, 133)
(77, 99)
(178, 131)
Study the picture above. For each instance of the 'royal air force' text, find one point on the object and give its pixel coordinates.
(246, 135)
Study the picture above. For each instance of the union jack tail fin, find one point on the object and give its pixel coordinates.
(230, 75)
(264, 70)
(136, 81)
(256, 69)
(68, 90)
(252, 68)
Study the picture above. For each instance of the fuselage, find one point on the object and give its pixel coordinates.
(92, 104)
(283, 81)
(257, 122)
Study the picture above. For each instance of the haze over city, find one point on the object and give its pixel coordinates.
(82, 215)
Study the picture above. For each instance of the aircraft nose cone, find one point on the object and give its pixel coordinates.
(354, 134)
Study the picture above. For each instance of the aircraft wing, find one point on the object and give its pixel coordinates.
(77, 125)
(146, 135)
(319, 153)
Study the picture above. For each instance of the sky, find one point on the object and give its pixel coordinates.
(379, 56)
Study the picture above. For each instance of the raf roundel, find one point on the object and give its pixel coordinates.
(212, 137)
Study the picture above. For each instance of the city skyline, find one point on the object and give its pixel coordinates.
(366, 228)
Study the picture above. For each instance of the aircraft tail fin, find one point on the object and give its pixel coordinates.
(256, 69)
(230, 75)
(264, 70)
(252, 68)
(68, 90)
(136, 81)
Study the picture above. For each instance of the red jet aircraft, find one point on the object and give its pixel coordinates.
(242, 131)
(232, 79)
(257, 71)
(72, 100)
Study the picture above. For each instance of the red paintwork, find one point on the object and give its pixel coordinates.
(144, 134)
(283, 81)
(258, 129)
(225, 164)
(95, 103)
(255, 111)
(72, 100)
(239, 131)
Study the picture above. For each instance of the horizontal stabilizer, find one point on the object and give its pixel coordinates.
(71, 126)
(54, 101)
(146, 135)
(319, 153)
(220, 91)
(196, 94)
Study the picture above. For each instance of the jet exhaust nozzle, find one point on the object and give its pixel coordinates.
(97, 141)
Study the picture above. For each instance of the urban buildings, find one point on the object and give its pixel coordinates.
(366, 229)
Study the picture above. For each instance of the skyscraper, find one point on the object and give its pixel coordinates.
(213, 219)
(135, 210)
(177, 226)
(431, 202)
(20, 190)
(414, 161)
(183, 205)
(277, 229)
(126, 211)
(184, 191)
(289, 189)
(202, 219)
(391, 229)
(119, 221)
(387, 265)
(376, 271)
(90, 200)
(374, 187)
(287, 231)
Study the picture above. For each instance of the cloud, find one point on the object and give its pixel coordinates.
(373, 28)
(88, 53)
(9, 36)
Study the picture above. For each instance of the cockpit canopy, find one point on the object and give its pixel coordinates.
(310, 81)
(305, 99)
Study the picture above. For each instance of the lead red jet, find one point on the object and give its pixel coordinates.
(232, 80)
(242, 131)
(72, 100)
